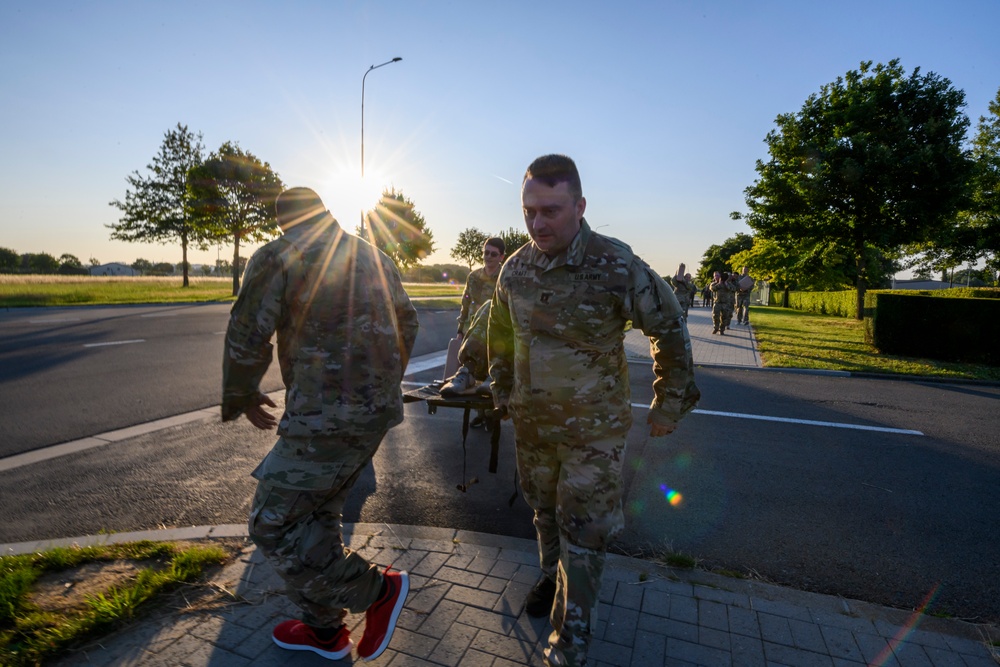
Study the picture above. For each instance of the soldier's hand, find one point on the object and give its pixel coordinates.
(260, 417)
(656, 430)
(500, 412)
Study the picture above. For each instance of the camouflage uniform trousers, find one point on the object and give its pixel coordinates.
(575, 489)
(719, 320)
(473, 354)
(685, 302)
(727, 314)
(300, 532)
(743, 308)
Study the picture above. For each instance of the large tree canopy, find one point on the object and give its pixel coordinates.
(984, 218)
(157, 206)
(233, 195)
(874, 160)
(398, 229)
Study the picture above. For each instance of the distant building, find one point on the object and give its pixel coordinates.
(918, 283)
(113, 269)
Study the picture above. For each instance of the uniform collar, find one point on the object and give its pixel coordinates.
(571, 256)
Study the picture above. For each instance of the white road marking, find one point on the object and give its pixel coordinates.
(55, 320)
(426, 362)
(116, 342)
(805, 422)
(172, 313)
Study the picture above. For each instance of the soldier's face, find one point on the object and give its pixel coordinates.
(551, 214)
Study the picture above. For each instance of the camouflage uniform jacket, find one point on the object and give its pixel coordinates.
(556, 337)
(479, 288)
(684, 289)
(345, 330)
(725, 293)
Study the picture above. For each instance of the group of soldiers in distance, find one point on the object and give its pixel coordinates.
(726, 294)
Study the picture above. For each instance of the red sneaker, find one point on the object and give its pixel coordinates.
(381, 617)
(297, 636)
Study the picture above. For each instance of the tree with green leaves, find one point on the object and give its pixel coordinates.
(469, 246)
(157, 205)
(875, 159)
(39, 262)
(984, 218)
(717, 257)
(396, 228)
(143, 266)
(10, 261)
(514, 238)
(233, 195)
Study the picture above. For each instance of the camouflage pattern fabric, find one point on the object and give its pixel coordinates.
(473, 354)
(730, 304)
(345, 329)
(300, 531)
(344, 325)
(557, 361)
(684, 290)
(723, 299)
(743, 307)
(478, 290)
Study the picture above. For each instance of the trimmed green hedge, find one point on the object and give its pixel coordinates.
(919, 325)
(845, 303)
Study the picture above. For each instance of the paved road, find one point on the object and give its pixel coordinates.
(884, 515)
(66, 373)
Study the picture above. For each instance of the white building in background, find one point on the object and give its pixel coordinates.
(113, 269)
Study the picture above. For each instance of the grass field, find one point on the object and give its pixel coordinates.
(796, 339)
(33, 291)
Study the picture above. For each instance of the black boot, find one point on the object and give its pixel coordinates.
(540, 599)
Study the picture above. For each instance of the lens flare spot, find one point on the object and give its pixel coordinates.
(673, 496)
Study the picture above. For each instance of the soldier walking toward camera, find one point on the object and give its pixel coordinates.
(730, 300)
(345, 331)
(558, 365)
(684, 288)
(721, 293)
(745, 283)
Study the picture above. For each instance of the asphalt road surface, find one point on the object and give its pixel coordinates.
(880, 490)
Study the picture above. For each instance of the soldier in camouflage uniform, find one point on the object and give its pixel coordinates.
(734, 287)
(721, 296)
(480, 284)
(684, 289)
(558, 365)
(743, 300)
(345, 330)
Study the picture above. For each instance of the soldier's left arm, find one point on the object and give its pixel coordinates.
(655, 311)
(406, 318)
(248, 348)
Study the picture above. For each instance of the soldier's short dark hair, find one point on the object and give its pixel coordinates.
(297, 205)
(554, 169)
(497, 243)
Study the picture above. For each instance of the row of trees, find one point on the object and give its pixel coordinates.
(469, 246)
(186, 197)
(41, 262)
(871, 176)
(229, 196)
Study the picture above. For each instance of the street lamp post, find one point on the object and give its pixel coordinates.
(388, 62)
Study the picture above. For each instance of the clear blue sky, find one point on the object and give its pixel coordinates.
(664, 105)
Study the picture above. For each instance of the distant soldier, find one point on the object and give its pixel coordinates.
(684, 288)
(722, 292)
(481, 282)
(345, 331)
(558, 363)
(730, 301)
(746, 284)
(707, 296)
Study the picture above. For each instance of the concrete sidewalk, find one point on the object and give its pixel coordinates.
(466, 608)
(468, 590)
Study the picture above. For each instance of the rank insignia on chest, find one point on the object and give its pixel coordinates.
(545, 297)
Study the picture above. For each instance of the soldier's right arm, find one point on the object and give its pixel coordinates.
(500, 339)
(252, 321)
